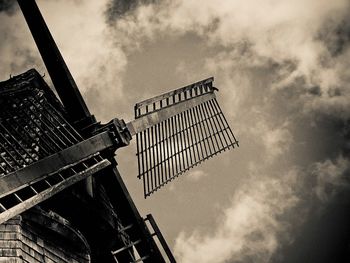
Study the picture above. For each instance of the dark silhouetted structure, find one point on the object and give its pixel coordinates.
(62, 198)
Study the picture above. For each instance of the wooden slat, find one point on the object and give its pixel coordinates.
(149, 120)
(21, 178)
(172, 93)
(25, 205)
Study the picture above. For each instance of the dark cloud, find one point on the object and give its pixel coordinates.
(324, 234)
(336, 35)
(324, 237)
(119, 8)
(8, 6)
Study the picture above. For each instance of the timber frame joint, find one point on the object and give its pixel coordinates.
(118, 132)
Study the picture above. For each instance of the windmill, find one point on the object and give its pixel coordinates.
(55, 156)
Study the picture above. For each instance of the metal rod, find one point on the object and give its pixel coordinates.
(64, 135)
(189, 138)
(200, 132)
(204, 130)
(30, 120)
(211, 128)
(169, 150)
(4, 159)
(184, 140)
(221, 123)
(14, 149)
(138, 153)
(177, 144)
(149, 146)
(236, 142)
(214, 122)
(72, 130)
(145, 172)
(48, 129)
(153, 156)
(142, 141)
(147, 159)
(182, 143)
(163, 167)
(2, 168)
(158, 151)
(16, 142)
(29, 136)
(171, 163)
(196, 135)
(43, 132)
(222, 119)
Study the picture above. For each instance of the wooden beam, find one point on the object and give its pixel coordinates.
(46, 194)
(38, 170)
(55, 64)
(153, 118)
(173, 93)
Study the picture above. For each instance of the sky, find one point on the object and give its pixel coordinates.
(282, 68)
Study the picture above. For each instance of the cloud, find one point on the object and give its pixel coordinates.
(332, 177)
(249, 229)
(7, 6)
(276, 141)
(81, 32)
(307, 36)
(284, 66)
(264, 220)
(196, 175)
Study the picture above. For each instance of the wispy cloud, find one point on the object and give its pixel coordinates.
(285, 63)
(96, 63)
(332, 177)
(249, 229)
(196, 175)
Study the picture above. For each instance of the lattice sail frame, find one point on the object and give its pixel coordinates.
(31, 128)
(177, 131)
(34, 138)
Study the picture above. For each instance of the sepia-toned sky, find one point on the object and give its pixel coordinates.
(282, 68)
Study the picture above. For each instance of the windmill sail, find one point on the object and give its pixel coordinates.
(178, 130)
(40, 152)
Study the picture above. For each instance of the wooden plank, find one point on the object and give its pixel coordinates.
(21, 178)
(172, 93)
(146, 121)
(52, 191)
(8, 244)
(11, 260)
(9, 236)
(161, 238)
(10, 252)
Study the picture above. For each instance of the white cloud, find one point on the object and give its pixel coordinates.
(276, 141)
(83, 37)
(255, 34)
(196, 175)
(249, 229)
